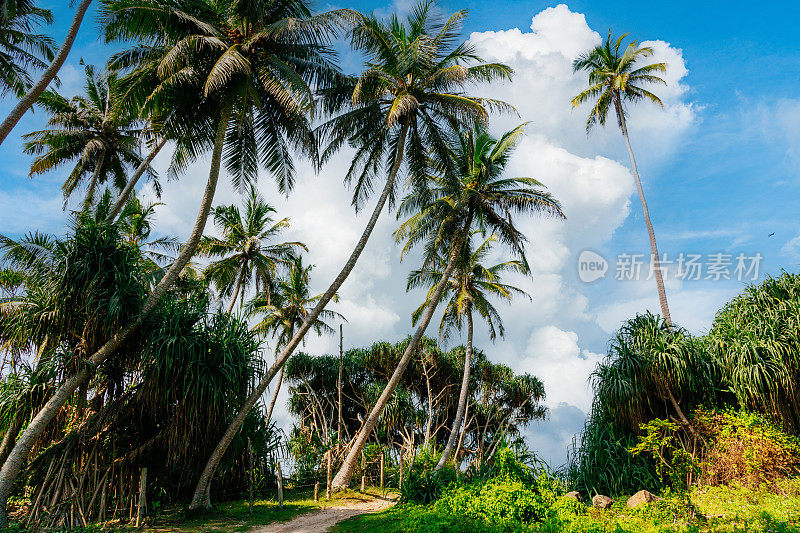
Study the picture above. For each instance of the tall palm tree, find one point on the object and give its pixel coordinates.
(467, 291)
(95, 130)
(247, 256)
(470, 187)
(411, 91)
(615, 79)
(21, 49)
(241, 72)
(33, 94)
(285, 309)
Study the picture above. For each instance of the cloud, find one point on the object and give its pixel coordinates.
(559, 334)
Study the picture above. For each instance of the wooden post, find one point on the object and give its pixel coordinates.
(316, 491)
(250, 478)
(328, 487)
(382, 466)
(363, 482)
(140, 510)
(279, 475)
(400, 483)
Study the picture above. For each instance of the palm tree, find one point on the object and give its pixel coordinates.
(33, 94)
(470, 187)
(616, 79)
(246, 255)
(410, 92)
(285, 309)
(468, 290)
(20, 48)
(95, 130)
(241, 72)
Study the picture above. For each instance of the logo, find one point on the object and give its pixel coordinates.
(591, 266)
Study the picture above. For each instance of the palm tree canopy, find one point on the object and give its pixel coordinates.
(414, 80)
(470, 287)
(285, 309)
(259, 60)
(92, 129)
(22, 50)
(470, 184)
(616, 76)
(246, 249)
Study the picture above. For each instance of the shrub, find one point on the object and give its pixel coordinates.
(746, 448)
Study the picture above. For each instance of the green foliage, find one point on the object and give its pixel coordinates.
(756, 341)
(674, 465)
(601, 463)
(746, 448)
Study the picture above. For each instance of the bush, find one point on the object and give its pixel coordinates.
(746, 448)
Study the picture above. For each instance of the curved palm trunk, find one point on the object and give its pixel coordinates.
(462, 398)
(89, 200)
(202, 493)
(140, 170)
(239, 284)
(36, 91)
(662, 294)
(274, 396)
(19, 454)
(342, 479)
(10, 437)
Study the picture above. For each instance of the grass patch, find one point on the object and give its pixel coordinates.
(732, 509)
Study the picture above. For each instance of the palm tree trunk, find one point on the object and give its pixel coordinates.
(36, 91)
(274, 396)
(95, 178)
(462, 433)
(239, 283)
(462, 398)
(342, 479)
(140, 170)
(429, 421)
(202, 493)
(662, 294)
(10, 437)
(19, 454)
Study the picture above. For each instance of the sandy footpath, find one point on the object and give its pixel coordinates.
(323, 519)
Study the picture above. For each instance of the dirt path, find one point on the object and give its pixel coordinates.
(323, 519)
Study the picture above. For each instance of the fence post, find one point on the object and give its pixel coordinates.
(382, 467)
(279, 475)
(400, 483)
(316, 491)
(251, 476)
(140, 508)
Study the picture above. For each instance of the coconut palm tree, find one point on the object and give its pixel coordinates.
(470, 186)
(20, 48)
(95, 130)
(247, 256)
(467, 291)
(242, 73)
(616, 78)
(410, 92)
(285, 309)
(33, 94)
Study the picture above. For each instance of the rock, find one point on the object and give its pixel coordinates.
(574, 495)
(602, 502)
(640, 498)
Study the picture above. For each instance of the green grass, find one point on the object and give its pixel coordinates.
(709, 510)
(233, 516)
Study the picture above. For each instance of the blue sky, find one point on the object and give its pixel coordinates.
(722, 179)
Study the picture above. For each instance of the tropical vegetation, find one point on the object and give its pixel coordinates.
(135, 362)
